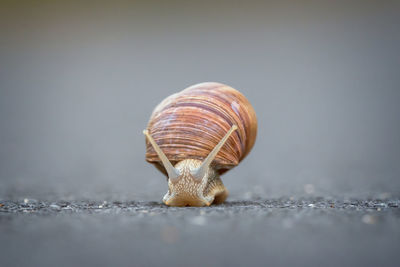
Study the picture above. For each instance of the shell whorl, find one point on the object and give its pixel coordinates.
(189, 124)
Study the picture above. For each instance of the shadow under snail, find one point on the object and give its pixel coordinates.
(195, 136)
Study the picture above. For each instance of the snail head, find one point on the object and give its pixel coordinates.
(193, 182)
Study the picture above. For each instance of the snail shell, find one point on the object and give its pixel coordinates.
(189, 124)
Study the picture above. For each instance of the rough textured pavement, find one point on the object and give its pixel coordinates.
(272, 232)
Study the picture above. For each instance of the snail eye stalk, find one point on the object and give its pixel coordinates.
(173, 173)
(202, 170)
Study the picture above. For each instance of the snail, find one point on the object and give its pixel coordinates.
(195, 136)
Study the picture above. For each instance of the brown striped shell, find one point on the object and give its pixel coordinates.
(189, 124)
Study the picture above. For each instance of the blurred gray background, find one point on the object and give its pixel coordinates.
(78, 83)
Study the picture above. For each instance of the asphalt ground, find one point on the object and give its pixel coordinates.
(311, 231)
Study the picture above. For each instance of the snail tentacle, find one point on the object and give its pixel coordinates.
(173, 173)
(202, 170)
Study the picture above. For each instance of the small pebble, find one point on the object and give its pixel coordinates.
(55, 207)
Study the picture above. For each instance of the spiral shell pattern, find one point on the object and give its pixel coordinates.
(189, 124)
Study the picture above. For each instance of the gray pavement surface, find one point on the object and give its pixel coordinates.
(266, 232)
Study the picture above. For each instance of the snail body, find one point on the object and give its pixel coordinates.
(196, 135)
